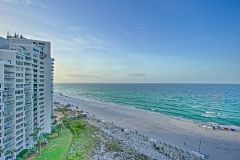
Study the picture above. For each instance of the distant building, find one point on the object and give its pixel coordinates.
(26, 87)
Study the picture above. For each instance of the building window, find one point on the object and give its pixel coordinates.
(19, 63)
(19, 57)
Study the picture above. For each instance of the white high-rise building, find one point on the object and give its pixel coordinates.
(26, 87)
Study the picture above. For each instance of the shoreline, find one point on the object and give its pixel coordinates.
(236, 128)
(217, 144)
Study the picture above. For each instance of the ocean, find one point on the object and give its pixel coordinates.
(217, 104)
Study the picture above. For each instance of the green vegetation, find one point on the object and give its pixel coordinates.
(57, 149)
(76, 142)
(74, 125)
(84, 139)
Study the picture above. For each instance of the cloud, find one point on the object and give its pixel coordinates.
(82, 76)
(136, 74)
(26, 2)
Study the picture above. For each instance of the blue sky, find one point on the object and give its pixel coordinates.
(133, 41)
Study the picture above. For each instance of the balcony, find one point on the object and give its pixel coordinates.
(28, 72)
(27, 124)
(27, 108)
(26, 66)
(28, 103)
(7, 114)
(8, 108)
(27, 87)
(35, 86)
(8, 145)
(8, 82)
(8, 120)
(35, 96)
(8, 102)
(7, 95)
(8, 127)
(28, 93)
(29, 129)
(28, 61)
(28, 115)
(28, 82)
(9, 70)
(7, 133)
(28, 98)
(35, 67)
(8, 76)
(28, 77)
(8, 140)
(28, 55)
(8, 89)
(27, 119)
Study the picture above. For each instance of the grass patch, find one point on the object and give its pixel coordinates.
(74, 125)
(58, 148)
(83, 144)
(68, 146)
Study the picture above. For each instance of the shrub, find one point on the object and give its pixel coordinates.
(25, 155)
(53, 135)
(22, 153)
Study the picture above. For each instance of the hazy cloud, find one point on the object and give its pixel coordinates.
(26, 2)
(82, 76)
(136, 74)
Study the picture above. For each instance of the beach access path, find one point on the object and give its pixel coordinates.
(217, 144)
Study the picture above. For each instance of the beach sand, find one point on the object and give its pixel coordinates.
(217, 144)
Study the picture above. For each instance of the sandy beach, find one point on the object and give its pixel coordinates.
(216, 144)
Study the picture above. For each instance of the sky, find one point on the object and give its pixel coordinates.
(133, 41)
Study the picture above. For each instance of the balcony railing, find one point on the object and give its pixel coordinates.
(8, 108)
(27, 82)
(26, 66)
(8, 89)
(27, 119)
(27, 108)
(7, 114)
(8, 102)
(27, 103)
(9, 76)
(8, 127)
(7, 95)
(28, 72)
(8, 120)
(8, 82)
(8, 145)
(9, 70)
(28, 61)
(8, 140)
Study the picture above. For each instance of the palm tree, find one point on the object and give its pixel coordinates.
(41, 140)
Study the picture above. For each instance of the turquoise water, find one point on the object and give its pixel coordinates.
(206, 103)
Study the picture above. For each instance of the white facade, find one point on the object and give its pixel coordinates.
(26, 86)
